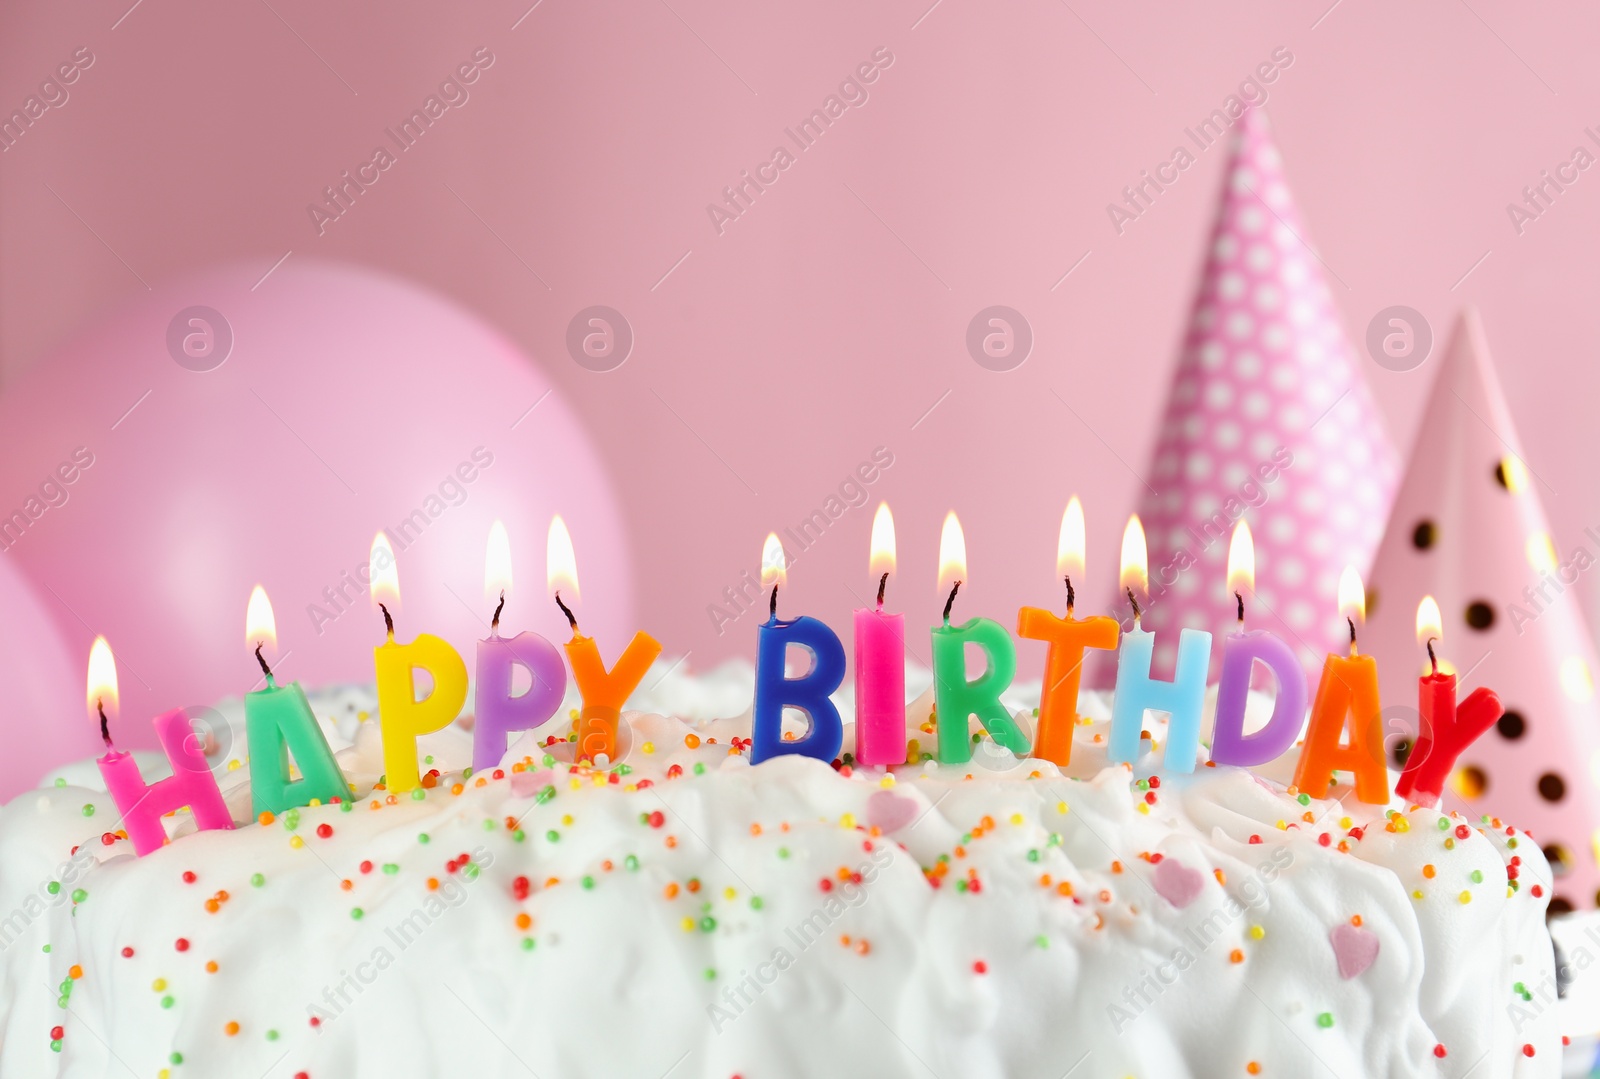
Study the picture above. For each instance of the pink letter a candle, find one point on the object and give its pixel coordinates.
(142, 804)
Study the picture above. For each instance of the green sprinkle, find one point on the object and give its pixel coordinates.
(357, 913)
(54, 887)
(519, 835)
(1325, 1020)
(707, 924)
(79, 895)
(418, 794)
(176, 1058)
(711, 974)
(549, 760)
(1042, 941)
(346, 805)
(527, 944)
(167, 1002)
(428, 759)
(783, 852)
(545, 795)
(553, 836)
(422, 838)
(631, 861)
(588, 883)
(1033, 855)
(469, 872)
(961, 885)
(1304, 799)
(390, 868)
(1477, 876)
(1444, 824)
(55, 1045)
(272, 1035)
(488, 825)
(466, 773)
(756, 902)
(622, 770)
(88, 810)
(257, 880)
(61, 781)
(699, 768)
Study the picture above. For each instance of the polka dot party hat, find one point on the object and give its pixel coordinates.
(1469, 529)
(1269, 421)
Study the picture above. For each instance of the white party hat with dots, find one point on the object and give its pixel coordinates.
(1269, 420)
(1469, 529)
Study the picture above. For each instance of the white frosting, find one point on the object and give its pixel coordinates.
(890, 977)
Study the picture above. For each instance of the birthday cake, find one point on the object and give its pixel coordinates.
(682, 912)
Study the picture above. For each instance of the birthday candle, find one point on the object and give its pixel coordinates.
(278, 722)
(956, 697)
(604, 692)
(1444, 728)
(880, 660)
(1240, 653)
(143, 805)
(808, 693)
(1137, 692)
(1067, 637)
(402, 717)
(497, 711)
(1348, 692)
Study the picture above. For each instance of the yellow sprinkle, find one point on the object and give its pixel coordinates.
(1016, 818)
(1062, 807)
(1465, 897)
(159, 984)
(1417, 894)
(649, 747)
(886, 782)
(575, 783)
(1282, 827)
(847, 821)
(729, 893)
(1344, 822)
(914, 750)
(688, 925)
(315, 802)
(362, 716)
(1257, 932)
(1144, 808)
(296, 842)
(233, 765)
(566, 820)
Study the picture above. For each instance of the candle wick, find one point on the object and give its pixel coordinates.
(105, 725)
(266, 670)
(494, 623)
(1240, 597)
(388, 621)
(1352, 623)
(572, 619)
(1433, 659)
(951, 602)
(883, 582)
(772, 605)
(1072, 596)
(1135, 604)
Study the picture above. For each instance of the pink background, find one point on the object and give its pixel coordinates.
(830, 318)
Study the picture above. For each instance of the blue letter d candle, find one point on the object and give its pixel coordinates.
(956, 698)
(809, 692)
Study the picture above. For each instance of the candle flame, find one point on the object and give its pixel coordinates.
(774, 568)
(1430, 624)
(1352, 596)
(497, 563)
(881, 560)
(1072, 545)
(952, 553)
(1241, 560)
(260, 627)
(102, 679)
(561, 562)
(1135, 558)
(385, 573)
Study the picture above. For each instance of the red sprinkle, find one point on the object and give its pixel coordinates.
(188, 876)
(1155, 782)
(182, 944)
(324, 831)
(1537, 891)
(1255, 839)
(1462, 831)
(1439, 1051)
(520, 887)
(1527, 1050)
(127, 953)
(826, 885)
(366, 867)
(980, 967)
(657, 819)
(57, 1033)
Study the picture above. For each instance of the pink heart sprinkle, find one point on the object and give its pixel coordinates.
(1177, 883)
(1355, 948)
(889, 811)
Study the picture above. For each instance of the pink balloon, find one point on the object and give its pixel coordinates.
(226, 430)
(42, 685)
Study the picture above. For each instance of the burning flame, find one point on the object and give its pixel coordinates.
(952, 553)
(102, 679)
(1241, 560)
(1352, 596)
(385, 573)
(1429, 622)
(561, 564)
(1135, 558)
(260, 628)
(774, 569)
(1071, 546)
(881, 560)
(497, 563)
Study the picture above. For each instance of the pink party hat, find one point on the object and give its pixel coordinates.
(1469, 529)
(1269, 421)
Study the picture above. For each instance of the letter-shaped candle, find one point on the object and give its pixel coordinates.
(1445, 729)
(957, 698)
(1240, 651)
(1137, 692)
(604, 692)
(1068, 638)
(402, 717)
(497, 711)
(279, 722)
(809, 692)
(1349, 688)
(880, 661)
(142, 804)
